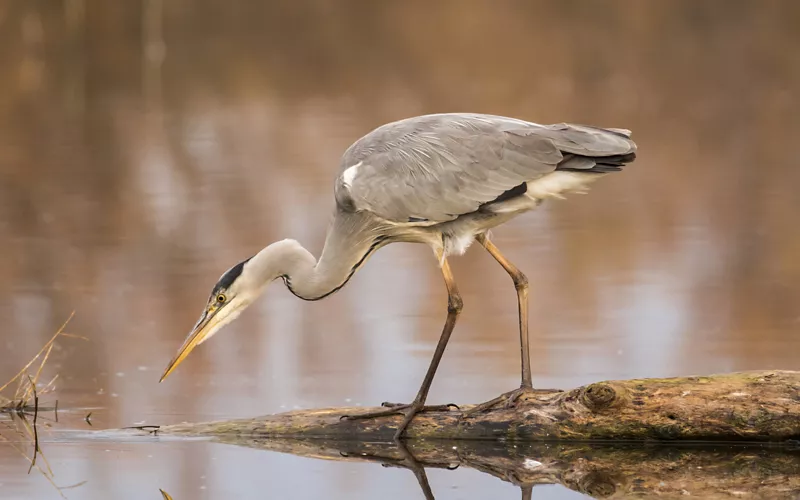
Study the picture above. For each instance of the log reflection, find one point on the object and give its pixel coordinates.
(596, 470)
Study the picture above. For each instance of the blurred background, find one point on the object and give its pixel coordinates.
(146, 146)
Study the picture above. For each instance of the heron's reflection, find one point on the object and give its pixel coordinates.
(595, 470)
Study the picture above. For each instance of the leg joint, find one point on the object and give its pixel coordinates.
(454, 303)
(520, 280)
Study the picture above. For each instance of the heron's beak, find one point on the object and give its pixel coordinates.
(204, 329)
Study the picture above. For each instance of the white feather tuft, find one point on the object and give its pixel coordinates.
(350, 173)
(556, 184)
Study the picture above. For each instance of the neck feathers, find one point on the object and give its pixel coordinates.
(347, 248)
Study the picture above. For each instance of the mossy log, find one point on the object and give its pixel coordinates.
(744, 406)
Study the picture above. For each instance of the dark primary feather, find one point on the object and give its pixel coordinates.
(511, 193)
(601, 165)
(437, 167)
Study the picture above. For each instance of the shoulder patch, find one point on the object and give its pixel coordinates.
(349, 174)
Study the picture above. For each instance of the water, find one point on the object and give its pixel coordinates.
(145, 147)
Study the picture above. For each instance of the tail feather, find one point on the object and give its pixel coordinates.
(597, 164)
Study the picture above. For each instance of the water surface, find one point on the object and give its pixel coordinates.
(145, 147)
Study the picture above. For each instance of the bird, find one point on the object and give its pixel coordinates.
(444, 180)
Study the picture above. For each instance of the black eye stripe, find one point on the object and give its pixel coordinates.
(227, 279)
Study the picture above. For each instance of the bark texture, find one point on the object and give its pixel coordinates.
(745, 406)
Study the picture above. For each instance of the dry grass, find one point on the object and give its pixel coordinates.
(24, 400)
(23, 408)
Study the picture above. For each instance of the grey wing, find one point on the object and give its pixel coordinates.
(435, 168)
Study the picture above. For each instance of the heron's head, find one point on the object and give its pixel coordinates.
(236, 289)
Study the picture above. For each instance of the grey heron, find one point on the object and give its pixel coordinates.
(443, 180)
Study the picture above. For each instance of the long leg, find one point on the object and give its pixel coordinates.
(454, 306)
(419, 471)
(521, 284)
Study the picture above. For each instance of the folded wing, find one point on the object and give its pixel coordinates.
(434, 168)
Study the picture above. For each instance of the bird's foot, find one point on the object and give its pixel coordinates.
(408, 410)
(508, 399)
(446, 407)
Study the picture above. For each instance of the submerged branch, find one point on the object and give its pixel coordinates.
(744, 406)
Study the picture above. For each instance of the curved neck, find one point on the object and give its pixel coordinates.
(346, 249)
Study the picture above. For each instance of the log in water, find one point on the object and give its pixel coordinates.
(743, 406)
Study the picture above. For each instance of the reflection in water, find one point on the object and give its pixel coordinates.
(598, 471)
(530, 469)
(145, 145)
(24, 411)
(19, 432)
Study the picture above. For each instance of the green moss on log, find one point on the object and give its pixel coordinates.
(744, 406)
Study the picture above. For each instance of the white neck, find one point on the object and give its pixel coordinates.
(306, 277)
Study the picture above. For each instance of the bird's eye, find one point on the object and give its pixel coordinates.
(221, 298)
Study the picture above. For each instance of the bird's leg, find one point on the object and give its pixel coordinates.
(410, 462)
(521, 284)
(527, 492)
(454, 305)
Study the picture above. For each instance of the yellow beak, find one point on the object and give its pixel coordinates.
(200, 332)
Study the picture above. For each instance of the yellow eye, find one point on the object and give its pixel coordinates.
(221, 298)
